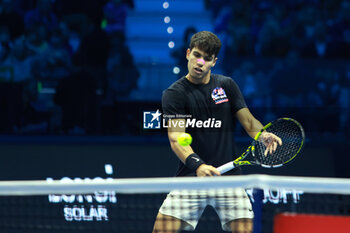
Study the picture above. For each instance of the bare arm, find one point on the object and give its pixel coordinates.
(183, 152)
(250, 124)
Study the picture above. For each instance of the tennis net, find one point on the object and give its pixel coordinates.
(279, 203)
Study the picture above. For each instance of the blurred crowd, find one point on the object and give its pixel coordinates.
(75, 49)
(290, 58)
(271, 28)
(289, 54)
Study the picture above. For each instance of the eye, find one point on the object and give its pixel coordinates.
(208, 58)
(197, 55)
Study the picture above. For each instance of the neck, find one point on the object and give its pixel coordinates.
(204, 80)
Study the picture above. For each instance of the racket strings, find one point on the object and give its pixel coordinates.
(292, 136)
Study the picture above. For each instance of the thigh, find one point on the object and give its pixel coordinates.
(233, 205)
(167, 224)
(186, 206)
(244, 225)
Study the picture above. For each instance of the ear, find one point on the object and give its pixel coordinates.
(188, 52)
(214, 62)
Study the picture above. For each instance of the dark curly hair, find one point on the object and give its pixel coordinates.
(207, 42)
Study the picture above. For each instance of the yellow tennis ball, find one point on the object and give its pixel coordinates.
(184, 139)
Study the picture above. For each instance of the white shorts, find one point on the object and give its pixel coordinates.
(187, 205)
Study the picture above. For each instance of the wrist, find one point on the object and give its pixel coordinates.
(193, 161)
(260, 136)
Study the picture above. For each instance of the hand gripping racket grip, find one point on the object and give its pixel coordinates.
(226, 167)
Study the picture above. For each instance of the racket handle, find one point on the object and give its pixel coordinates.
(226, 167)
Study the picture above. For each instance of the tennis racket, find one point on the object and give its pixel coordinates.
(292, 136)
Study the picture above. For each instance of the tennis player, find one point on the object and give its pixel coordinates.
(217, 100)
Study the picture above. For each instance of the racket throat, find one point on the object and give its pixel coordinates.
(241, 163)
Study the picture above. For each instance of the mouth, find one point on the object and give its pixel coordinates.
(198, 70)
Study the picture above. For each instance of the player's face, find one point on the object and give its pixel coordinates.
(199, 64)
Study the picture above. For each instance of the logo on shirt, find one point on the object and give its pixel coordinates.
(151, 120)
(219, 96)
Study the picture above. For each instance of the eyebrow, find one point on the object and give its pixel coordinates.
(206, 57)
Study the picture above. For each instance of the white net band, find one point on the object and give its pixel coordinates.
(163, 185)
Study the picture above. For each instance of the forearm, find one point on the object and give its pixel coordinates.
(182, 152)
(190, 158)
(253, 127)
(250, 124)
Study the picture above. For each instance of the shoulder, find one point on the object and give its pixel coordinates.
(225, 80)
(178, 86)
(175, 90)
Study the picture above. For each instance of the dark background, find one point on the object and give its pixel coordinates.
(76, 76)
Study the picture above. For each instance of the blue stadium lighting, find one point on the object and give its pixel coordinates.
(165, 5)
(166, 19)
(176, 70)
(170, 30)
(171, 44)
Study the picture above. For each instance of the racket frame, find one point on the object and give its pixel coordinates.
(251, 149)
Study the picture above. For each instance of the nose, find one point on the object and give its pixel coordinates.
(201, 61)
